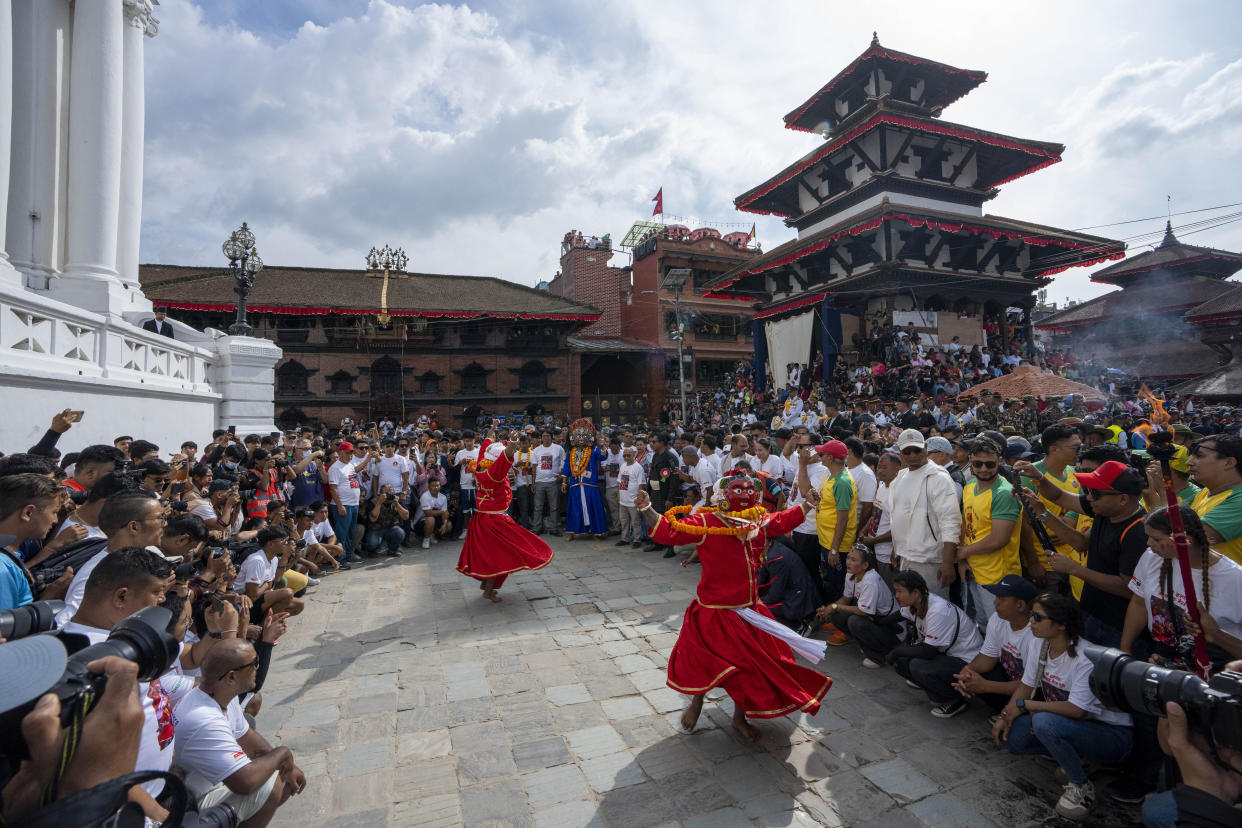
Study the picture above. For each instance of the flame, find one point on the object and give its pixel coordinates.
(1159, 417)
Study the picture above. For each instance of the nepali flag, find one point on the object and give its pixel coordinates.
(659, 203)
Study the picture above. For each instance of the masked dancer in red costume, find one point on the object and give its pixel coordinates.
(496, 545)
(725, 640)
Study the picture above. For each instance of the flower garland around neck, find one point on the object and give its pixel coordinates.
(579, 459)
(522, 460)
(750, 516)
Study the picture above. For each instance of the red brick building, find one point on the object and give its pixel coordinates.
(455, 344)
(628, 357)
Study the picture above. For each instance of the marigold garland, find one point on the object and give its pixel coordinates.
(579, 459)
(750, 515)
(476, 466)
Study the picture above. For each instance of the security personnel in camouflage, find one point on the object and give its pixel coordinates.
(1009, 417)
(1078, 407)
(1028, 417)
(988, 415)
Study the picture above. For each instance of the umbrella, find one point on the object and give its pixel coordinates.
(1027, 379)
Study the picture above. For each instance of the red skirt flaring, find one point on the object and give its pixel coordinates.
(717, 648)
(496, 547)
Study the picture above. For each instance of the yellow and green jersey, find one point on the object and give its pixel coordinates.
(980, 507)
(839, 494)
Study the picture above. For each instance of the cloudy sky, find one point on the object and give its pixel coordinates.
(475, 135)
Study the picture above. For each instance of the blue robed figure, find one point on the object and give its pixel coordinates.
(585, 515)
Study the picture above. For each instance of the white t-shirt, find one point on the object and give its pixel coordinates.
(817, 473)
(773, 466)
(728, 461)
(427, 501)
(631, 481)
(1067, 678)
(705, 477)
(1224, 579)
(206, 740)
(388, 471)
(547, 461)
(155, 750)
(946, 628)
(463, 457)
(256, 569)
(77, 588)
(872, 596)
(344, 476)
(789, 469)
(1006, 646)
(91, 531)
(864, 482)
(612, 467)
(205, 510)
(883, 525)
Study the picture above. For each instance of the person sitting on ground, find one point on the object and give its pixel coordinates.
(1054, 712)
(262, 570)
(864, 610)
(995, 672)
(785, 587)
(315, 552)
(434, 522)
(225, 760)
(384, 527)
(947, 640)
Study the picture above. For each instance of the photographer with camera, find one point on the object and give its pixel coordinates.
(124, 582)
(87, 514)
(29, 505)
(1054, 710)
(128, 519)
(385, 515)
(262, 570)
(154, 476)
(221, 510)
(265, 473)
(310, 478)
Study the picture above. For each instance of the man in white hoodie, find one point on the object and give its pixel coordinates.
(926, 515)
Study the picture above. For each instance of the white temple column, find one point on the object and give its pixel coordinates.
(96, 78)
(139, 24)
(8, 275)
(34, 240)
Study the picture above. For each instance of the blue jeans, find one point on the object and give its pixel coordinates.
(1069, 741)
(390, 537)
(1160, 810)
(343, 526)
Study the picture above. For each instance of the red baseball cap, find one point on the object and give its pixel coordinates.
(833, 448)
(1113, 475)
(346, 446)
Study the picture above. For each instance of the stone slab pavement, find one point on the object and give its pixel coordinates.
(409, 700)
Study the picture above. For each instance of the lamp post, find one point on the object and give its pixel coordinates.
(386, 259)
(245, 264)
(674, 281)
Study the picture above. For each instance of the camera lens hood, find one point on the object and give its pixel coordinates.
(29, 667)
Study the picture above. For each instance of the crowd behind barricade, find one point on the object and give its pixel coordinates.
(977, 548)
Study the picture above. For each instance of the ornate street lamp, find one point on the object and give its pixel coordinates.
(386, 259)
(245, 264)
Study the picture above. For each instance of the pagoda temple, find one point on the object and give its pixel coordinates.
(1176, 289)
(890, 222)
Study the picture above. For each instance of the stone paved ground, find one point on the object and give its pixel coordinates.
(409, 700)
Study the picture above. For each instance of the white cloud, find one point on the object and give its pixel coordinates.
(476, 137)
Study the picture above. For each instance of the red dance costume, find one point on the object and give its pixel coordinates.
(716, 647)
(495, 545)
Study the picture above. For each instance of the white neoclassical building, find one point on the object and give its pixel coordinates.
(71, 154)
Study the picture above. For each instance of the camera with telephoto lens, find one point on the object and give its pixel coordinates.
(30, 619)
(141, 638)
(45, 576)
(1213, 707)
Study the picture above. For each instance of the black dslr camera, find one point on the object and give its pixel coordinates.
(1213, 707)
(141, 638)
(30, 619)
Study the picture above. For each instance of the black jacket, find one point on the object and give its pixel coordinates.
(167, 330)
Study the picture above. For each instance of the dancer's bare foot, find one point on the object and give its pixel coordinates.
(490, 594)
(569, 536)
(599, 537)
(748, 730)
(690, 716)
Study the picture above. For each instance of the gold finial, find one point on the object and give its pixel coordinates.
(875, 39)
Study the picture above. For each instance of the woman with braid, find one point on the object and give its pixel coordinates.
(1158, 603)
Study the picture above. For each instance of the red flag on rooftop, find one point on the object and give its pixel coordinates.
(659, 203)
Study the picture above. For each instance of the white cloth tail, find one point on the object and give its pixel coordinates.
(808, 648)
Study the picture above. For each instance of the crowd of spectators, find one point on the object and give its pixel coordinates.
(923, 553)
